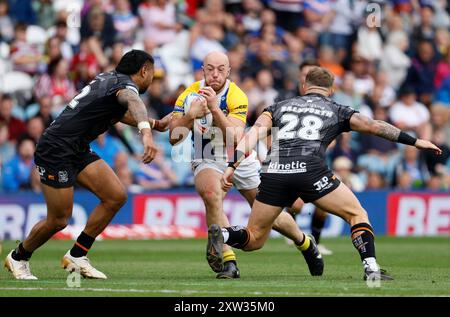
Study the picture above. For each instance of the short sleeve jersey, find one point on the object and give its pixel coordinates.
(90, 113)
(305, 126)
(232, 101)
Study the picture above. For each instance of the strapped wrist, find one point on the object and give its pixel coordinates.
(405, 138)
(143, 125)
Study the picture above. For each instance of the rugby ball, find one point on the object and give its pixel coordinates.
(201, 125)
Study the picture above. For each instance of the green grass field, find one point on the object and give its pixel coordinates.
(421, 267)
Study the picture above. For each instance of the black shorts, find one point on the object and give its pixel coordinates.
(59, 167)
(284, 189)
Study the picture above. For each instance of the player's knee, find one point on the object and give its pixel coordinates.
(117, 200)
(253, 245)
(211, 198)
(356, 215)
(57, 224)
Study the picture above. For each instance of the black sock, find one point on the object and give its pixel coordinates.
(238, 236)
(363, 239)
(20, 253)
(302, 241)
(317, 225)
(82, 246)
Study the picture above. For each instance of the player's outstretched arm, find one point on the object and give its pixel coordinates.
(260, 130)
(161, 125)
(138, 113)
(364, 124)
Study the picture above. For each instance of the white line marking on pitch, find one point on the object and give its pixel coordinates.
(169, 291)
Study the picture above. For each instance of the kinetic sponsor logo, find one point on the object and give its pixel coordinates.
(288, 168)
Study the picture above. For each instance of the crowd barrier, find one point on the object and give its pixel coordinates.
(180, 214)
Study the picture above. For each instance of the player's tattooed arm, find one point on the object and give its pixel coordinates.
(136, 108)
(364, 124)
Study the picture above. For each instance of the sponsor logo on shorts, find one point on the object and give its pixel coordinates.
(40, 170)
(63, 176)
(323, 184)
(287, 168)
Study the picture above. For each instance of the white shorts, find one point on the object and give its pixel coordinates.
(246, 176)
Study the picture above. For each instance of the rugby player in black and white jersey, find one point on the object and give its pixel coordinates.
(63, 157)
(296, 167)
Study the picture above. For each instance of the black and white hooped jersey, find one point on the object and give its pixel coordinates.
(91, 112)
(303, 127)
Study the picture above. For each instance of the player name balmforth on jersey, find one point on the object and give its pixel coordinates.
(300, 109)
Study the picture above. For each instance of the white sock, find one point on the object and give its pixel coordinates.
(371, 263)
(225, 235)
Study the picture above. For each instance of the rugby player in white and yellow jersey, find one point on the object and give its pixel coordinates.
(228, 105)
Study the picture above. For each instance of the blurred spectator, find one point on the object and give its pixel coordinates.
(370, 44)
(34, 130)
(118, 49)
(363, 82)
(45, 15)
(375, 181)
(395, 62)
(289, 13)
(157, 102)
(61, 33)
(43, 110)
(342, 167)
(106, 147)
(159, 20)
(346, 94)
(264, 58)
(122, 169)
(208, 40)
(26, 57)
(383, 93)
(157, 174)
(442, 69)
(410, 115)
(425, 30)
(56, 83)
(263, 92)
(21, 11)
(403, 181)
(53, 49)
(88, 62)
(436, 163)
(440, 120)
(6, 24)
(7, 150)
(421, 73)
(347, 15)
(213, 13)
(99, 24)
(318, 14)
(377, 151)
(251, 19)
(125, 22)
(15, 126)
(442, 95)
(327, 58)
(343, 148)
(17, 171)
(411, 172)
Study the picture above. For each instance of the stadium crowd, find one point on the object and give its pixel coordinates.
(391, 61)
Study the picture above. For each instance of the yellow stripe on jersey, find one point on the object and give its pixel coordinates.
(179, 104)
(237, 103)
